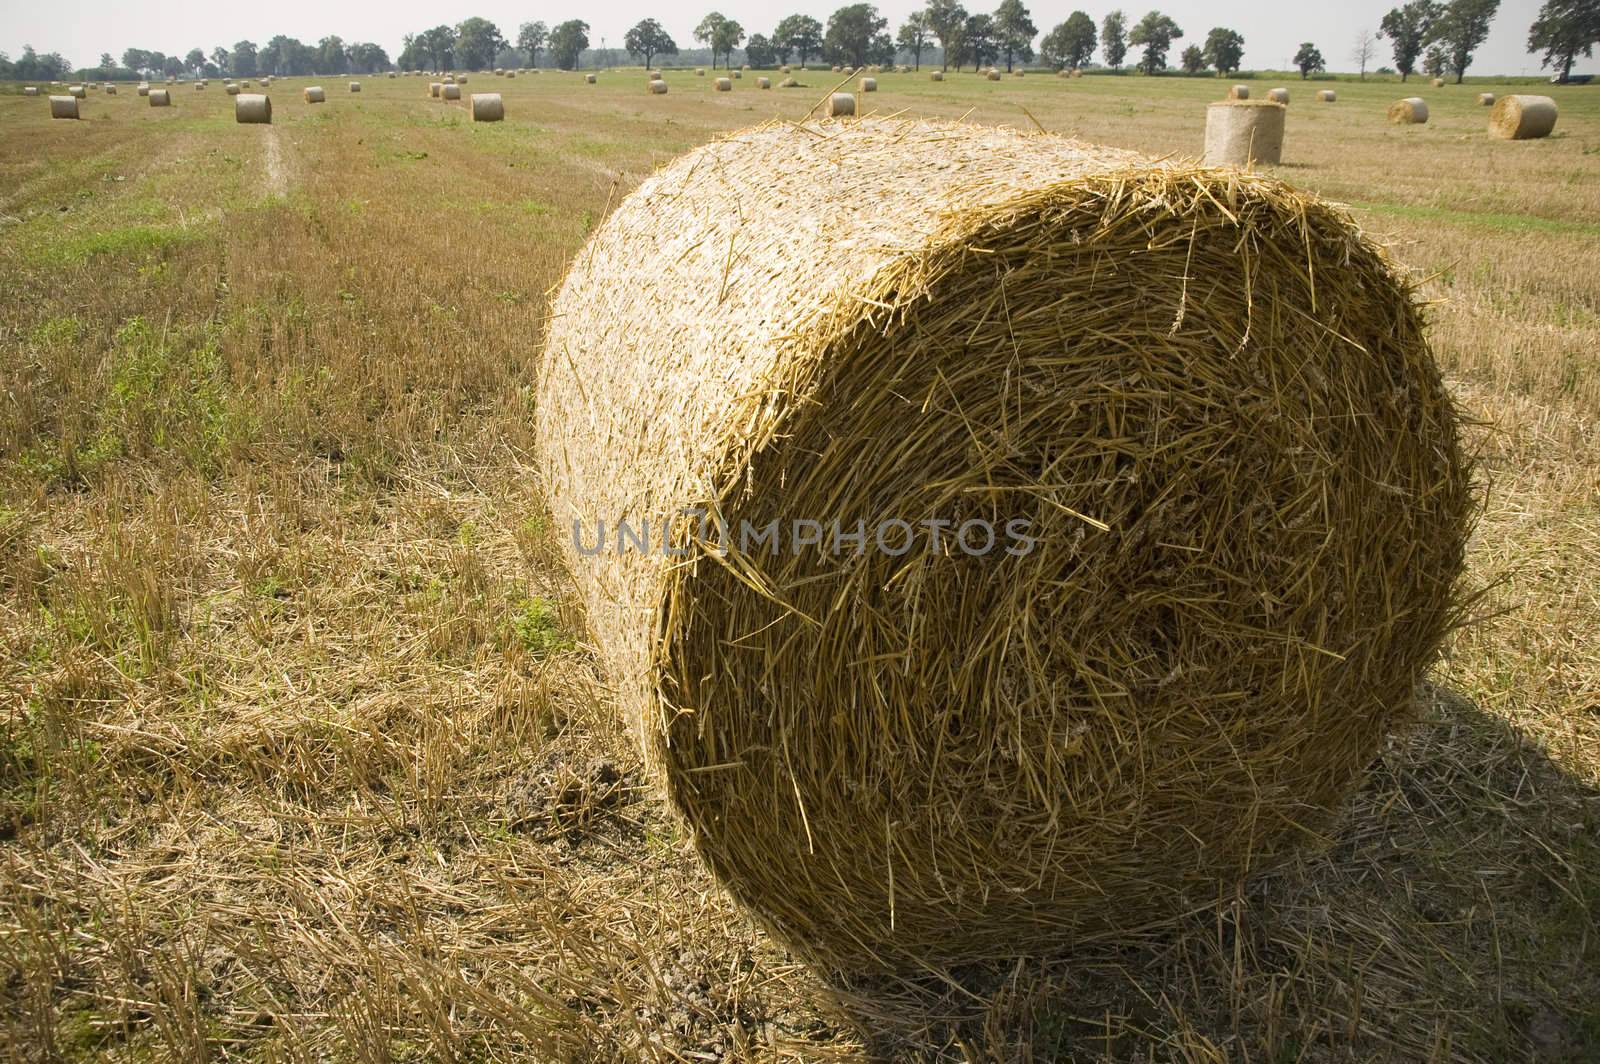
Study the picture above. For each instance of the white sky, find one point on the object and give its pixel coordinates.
(1272, 30)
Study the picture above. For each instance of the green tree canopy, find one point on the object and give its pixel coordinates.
(1564, 30)
(647, 39)
(1224, 49)
(1114, 39)
(1155, 33)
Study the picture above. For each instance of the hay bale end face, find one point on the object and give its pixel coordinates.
(63, 107)
(1521, 117)
(724, 84)
(840, 105)
(869, 85)
(928, 752)
(1238, 92)
(160, 98)
(314, 94)
(433, 89)
(1485, 99)
(252, 108)
(1327, 96)
(588, 79)
(1279, 95)
(451, 92)
(1244, 133)
(487, 107)
(1411, 111)
(355, 86)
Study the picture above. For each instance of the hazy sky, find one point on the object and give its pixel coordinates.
(1272, 31)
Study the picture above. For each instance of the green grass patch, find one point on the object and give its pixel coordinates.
(1499, 222)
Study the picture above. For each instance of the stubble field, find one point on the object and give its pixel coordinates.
(303, 754)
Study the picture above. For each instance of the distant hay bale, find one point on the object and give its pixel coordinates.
(788, 83)
(1077, 73)
(63, 107)
(31, 90)
(763, 83)
(462, 80)
(252, 108)
(231, 89)
(449, 79)
(993, 75)
(1279, 95)
(699, 72)
(1411, 111)
(111, 90)
(1437, 83)
(658, 87)
(784, 69)
(1246, 525)
(655, 75)
(1485, 99)
(499, 72)
(589, 79)
(868, 85)
(391, 74)
(837, 68)
(936, 75)
(314, 94)
(487, 107)
(745, 66)
(160, 97)
(738, 74)
(1244, 133)
(143, 89)
(433, 89)
(724, 84)
(1063, 73)
(840, 104)
(77, 91)
(1238, 92)
(355, 86)
(1018, 73)
(451, 92)
(199, 87)
(1327, 96)
(1521, 117)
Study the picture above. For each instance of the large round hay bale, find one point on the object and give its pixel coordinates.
(1278, 95)
(355, 86)
(936, 75)
(868, 85)
(1522, 117)
(724, 84)
(143, 89)
(1244, 133)
(314, 94)
(77, 92)
(252, 108)
(451, 92)
(1411, 111)
(160, 97)
(487, 107)
(1235, 542)
(1327, 96)
(1238, 92)
(434, 88)
(658, 88)
(63, 107)
(1485, 99)
(840, 104)
(699, 72)
(763, 83)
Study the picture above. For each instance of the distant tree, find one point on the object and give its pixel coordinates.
(915, 37)
(478, 41)
(1408, 29)
(195, 61)
(31, 66)
(1155, 32)
(368, 58)
(567, 42)
(1564, 30)
(174, 67)
(1435, 63)
(1194, 59)
(108, 64)
(1365, 47)
(800, 34)
(1014, 32)
(647, 40)
(219, 59)
(1224, 49)
(947, 19)
(977, 42)
(1309, 60)
(1071, 44)
(1114, 39)
(719, 33)
(1460, 29)
(758, 52)
(331, 56)
(532, 35)
(438, 44)
(851, 33)
(244, 59)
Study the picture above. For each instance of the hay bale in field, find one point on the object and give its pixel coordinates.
(837, 68)
(63, 107)
(231, 89)
(784, 69)
(699, 72)
(936, 75)
(160, 97)
(738, 74)
(1411, 111)
(1018, 73)
(199, 87)
(512, 74)
(30, 90)
(789, 83)
(1485, 99)
(1244, 133)
(143, 89)
(1437, 83)
(763, 83)
(1521, 117)
(724, 84)
(462, 80)
(252, 108)
(487, 107)
(588, 79)
(931, 752)
(77, 92)
(1327, 96)
(868, 85)
(314, 94)
(658, 88)
(449, 79)
(1278, 95)
(1238, 92)
(111, 90)
(839, 105)
(433, 89)
(355, 86)
(993, 75)
(655, 75)
(450, 92)
(391, 74)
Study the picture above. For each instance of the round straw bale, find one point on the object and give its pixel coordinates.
(659, 88)
(993, 75)
(699, 72)
(784, 69)
(391, 73)
(1437, 83)
(355, 86)
(1411, 111)
(1279, 95)
(724, 84)
(788, 83)
(837, 68)
(589, 79)
(449, 79)
(160, 97)
(1244, 133)
(63, 107)
(738, 74)
(936, 75)
(252, 108)
(143, 89)
(111, 90)
(433, 89)
(199, 87)
(1327, 96)
(30, 90)
(869, 85)
(841, 104)
(487, 107)
(1520, 117)
(1238, 92)
(1485, 99)
(1077, 73)
(314, 94)
(462, 80)
(77, 91)
(231, 89)
(1018, 73)
(763, 83)
(655, 75)
(1242, 544)
(451, 92)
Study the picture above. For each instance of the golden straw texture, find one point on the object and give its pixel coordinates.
(1522, 117)
(1206, 394)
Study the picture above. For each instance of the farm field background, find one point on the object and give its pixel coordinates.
(303, 755)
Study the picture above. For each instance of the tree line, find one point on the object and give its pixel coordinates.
(1440, 35)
